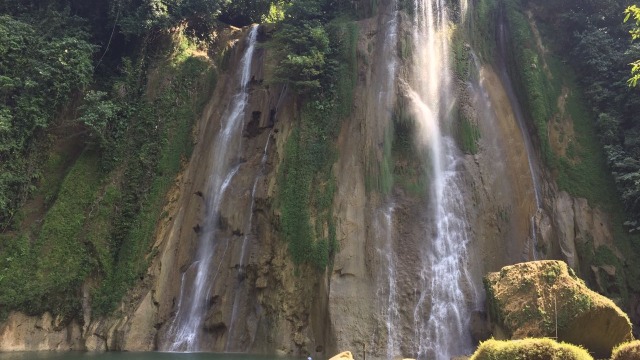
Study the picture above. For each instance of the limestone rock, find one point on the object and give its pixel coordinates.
(21, 332)
(530, 299)
(345, 355)
(564, 218)
(480, 327)
(544, 231)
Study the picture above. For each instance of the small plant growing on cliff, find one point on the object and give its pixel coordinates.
(551, 274)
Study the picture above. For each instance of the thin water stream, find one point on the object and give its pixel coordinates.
(238, 293)
(185, 331)
(387, 292)
(519, 115)
(381, 102)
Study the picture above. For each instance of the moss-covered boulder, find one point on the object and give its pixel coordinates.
(539, 349)
(540, 298)
(627, 351)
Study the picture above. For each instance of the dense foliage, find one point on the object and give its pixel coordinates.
(598, 46)
(87, 153)
(317, 59)
(39, 70)
(77, 72)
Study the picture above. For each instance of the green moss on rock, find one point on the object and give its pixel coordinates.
(534, 299)
(529, 349)
(627, 351)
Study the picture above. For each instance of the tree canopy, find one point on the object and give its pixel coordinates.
(634, 12)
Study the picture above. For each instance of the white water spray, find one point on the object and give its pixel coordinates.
(381, 99)
(446, 290)
(185, 331)
(388, 294)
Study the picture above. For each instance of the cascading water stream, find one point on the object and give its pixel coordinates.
(519, 115)
(239, 294)
(391, 310)
(185, 330)
(245, 239)
(446, 290)
(381, 105)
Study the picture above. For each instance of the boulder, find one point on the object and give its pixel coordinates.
(542, 298)
(627, 351)
(345, 355)
(529, 349)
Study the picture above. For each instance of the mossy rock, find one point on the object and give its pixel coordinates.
(539, 349)
(536, 299)
(627, 351)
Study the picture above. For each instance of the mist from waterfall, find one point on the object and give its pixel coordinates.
(445, 292)
(185, 331)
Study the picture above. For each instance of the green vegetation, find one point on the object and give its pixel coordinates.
(626, 351)
(594, 48)
(318, 53)
(482, 37)
(461, 56)
(57, 261)
(529, 349)
(468, 135)
(539, 94)
(402, 165)
(151, 173)
(97, 169)
(40, 68)
(633, 11)
(537, 287)
(580, 110)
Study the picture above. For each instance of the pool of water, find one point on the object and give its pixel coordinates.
(51, 355)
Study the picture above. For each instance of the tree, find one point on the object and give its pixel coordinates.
(40, 67)
(633, 11)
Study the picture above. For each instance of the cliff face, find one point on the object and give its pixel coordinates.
(260, 301)
(270, 300)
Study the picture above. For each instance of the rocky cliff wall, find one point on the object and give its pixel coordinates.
(280, 308)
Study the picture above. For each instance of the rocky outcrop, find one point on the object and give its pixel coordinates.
(345, 355)
(27, 333)
(574, 232)
(534, 299)
(564, 219)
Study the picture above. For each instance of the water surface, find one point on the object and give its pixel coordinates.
(52, 355)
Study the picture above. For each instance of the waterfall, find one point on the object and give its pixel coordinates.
(381, 100)
(519, 115)
(442, 311)
(185, 330)
(238, 294)
(389, 303)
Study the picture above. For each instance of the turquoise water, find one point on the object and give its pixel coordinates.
(50, 355)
